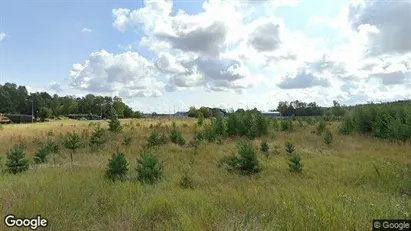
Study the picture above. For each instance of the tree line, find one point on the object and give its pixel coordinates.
(16, 100)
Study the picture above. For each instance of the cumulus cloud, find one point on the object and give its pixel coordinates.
(391, 21)
(55, 87)
(86, 30)
(237, 45)
(2, 36)
(303, 79)
(128, 74)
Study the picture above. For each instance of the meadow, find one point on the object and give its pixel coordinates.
(343, 185)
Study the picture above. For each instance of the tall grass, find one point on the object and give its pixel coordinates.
(342, 187)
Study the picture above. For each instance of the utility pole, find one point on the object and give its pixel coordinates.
(32, 111)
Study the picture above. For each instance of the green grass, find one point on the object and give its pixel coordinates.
(339, 188)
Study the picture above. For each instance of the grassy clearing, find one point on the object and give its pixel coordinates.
(342, 187)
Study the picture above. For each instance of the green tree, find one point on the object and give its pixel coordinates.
(16, 160)
(117, 167)
(44, 113)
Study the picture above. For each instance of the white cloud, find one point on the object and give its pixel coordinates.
(54, 86)
(2, 36)
(128, 74)
(244, 46)
(86, 30)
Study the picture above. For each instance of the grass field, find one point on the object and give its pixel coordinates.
(342, 187)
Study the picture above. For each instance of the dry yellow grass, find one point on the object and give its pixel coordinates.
(339, 188)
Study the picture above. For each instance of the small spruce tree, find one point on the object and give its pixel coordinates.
(114, 123)
(328, 137)
(149, 169)
(246, 162)
(264, 147)
(289, 148)
(73, 142)
(97, 138)
(117, 167)
(16, 160)
(294, 163)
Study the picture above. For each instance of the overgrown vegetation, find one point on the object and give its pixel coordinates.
(385, 121)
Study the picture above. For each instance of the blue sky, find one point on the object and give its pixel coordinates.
(44, 39)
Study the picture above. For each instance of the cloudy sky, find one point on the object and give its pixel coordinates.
(168, 55)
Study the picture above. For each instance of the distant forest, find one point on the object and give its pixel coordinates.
(16, 99)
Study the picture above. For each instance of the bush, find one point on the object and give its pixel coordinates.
(41, 155)
(186, 182)
(294, 163)
(97, 138)
(328, 137)
(200, 121)
(176, 136)
(149, 169)
(289, 148)
(264, 147)
(286, 125)
(73, 142)
(117, 167)
(16, 160)
(321, 127)
(210, 132)
(156, 139)
(246, 162)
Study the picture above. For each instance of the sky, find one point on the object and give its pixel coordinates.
(165, 56)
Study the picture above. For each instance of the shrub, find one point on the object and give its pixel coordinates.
(210, 132)
(149, 169)
(176, 136)
(200, 121)
(16, 160)
(41, 155)
(246, 162)
(220, 126)
(186, 182)
(327, 137)
(97, 138)
(321, 127)
(53, 148)
(294, 163)
(261, 124)
(73, 142)
(347, 125)
(286, 125)
(289, 148)
(117, 167)
(156, 139)
(114, 123)
(264, 147)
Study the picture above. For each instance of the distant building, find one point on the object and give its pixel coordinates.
(181, 114)
(19, 118)
(272, 114)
